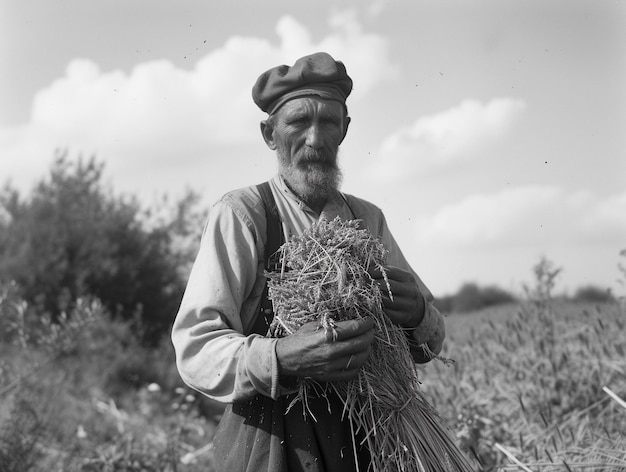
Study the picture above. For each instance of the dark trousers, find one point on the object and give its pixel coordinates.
(260, 435)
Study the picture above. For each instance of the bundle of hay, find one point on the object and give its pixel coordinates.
(325, 277)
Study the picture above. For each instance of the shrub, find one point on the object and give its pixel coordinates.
(471, 297)
(591, 293)
(87, 406)
(72, 237)
(19, 438)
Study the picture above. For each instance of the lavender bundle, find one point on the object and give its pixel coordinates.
(327, 280)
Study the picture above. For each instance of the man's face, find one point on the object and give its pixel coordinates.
(306, 133)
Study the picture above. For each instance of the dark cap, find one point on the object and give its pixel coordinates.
(317, 74)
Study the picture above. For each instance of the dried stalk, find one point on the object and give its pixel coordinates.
(328, 280)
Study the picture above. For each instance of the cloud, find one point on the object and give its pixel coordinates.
(376, 8)
(366, 55)
(526, 216)
(446, 137)
(159, 118)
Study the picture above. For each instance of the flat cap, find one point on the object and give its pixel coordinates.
(313, 75)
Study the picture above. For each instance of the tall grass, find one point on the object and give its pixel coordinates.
(83, 395)
(529, 390)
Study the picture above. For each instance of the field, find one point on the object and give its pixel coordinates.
(530, 388)
(533, 386)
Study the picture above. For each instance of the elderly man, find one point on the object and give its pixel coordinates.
(219, 330)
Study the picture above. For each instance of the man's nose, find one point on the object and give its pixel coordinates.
(314, 138)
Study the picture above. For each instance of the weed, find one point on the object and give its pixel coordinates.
(19, 439)
(530, 379)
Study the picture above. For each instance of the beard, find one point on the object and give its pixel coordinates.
(314, 176)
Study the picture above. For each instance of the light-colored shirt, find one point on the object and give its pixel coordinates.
(226, 283)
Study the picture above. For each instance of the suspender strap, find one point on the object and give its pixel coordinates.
(345, 200)
(274, 231)
(274, 239)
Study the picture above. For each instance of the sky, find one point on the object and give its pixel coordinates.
(491, 133)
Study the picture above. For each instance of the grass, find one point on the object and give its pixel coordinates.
(527, 391)
(530, 380)
(101, 404)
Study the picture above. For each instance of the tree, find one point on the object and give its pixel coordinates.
(471, 297)
(73, 237)
(594, 294)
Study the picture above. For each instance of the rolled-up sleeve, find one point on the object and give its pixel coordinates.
(225, 284)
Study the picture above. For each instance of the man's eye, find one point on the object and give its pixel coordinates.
(297, 122)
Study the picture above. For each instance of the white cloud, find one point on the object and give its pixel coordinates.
(377, 7)
(526, 216)
(365, 55)
(445, 137)
(161, 120)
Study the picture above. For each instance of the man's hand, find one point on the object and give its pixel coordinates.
(408, 309)
(405, 306)
(311, 352)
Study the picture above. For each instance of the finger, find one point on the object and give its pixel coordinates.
(398, 274)
(398, 287)
(375, 272)
(348, 363)
(399, 302)
(353, 328)
(399, 317)
(436, 345)
(355, 361)
(309, 327)
(337, 353)
(391, 272)
(347, 367)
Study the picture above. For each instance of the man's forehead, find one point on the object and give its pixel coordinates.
(312, 104)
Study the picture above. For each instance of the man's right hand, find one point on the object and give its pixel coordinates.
(311, 352)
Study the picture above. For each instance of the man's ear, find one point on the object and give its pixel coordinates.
(267, 130)
(345, 128)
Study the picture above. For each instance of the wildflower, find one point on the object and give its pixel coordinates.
(80, 432)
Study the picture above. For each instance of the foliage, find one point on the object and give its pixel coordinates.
(72, 237)
(182, 220)
(621, 267)
(77, 393)
(529, 380)
(591, 293)
(79, 413)
(545, 279)
(19, 438)
(472, 297)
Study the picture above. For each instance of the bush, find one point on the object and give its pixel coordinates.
(471, 297)
(92, 405)
(72, 237)
(593, 294)
(19, 439)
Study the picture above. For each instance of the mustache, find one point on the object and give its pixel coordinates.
(317, 156)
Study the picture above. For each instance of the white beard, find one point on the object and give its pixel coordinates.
(312, 180)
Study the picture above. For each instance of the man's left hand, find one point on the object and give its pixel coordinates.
(405, 306)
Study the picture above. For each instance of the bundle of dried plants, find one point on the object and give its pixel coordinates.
(325, 277)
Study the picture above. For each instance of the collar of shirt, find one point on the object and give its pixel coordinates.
(335, 206)
(285, 190)
(297, 215)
